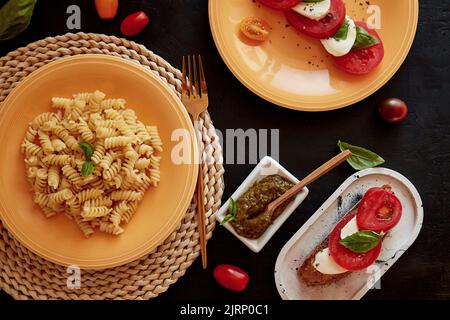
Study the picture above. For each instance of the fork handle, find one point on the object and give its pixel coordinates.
(201, 214)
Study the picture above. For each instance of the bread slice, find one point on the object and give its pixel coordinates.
(309, 275)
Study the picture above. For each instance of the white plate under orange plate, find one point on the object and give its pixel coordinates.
(294, 70)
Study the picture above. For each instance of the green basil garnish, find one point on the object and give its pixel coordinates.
(364, 39)
(361, 158)
(15, 16)
(87, 149)
(87, 169)
(232, 210)
(362, 241)
(88, 166)
(342, 32)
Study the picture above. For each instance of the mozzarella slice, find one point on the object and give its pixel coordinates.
(313, 10)
(350, 228)
(340, 48)
(324, 263)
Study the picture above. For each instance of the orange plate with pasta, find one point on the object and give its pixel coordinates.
(58, 239)
(294, 70)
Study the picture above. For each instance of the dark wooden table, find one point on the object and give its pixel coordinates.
(419, 148)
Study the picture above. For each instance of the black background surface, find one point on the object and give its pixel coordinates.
(419, 148)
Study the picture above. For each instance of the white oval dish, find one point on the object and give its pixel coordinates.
(318, 227)
(267, 166)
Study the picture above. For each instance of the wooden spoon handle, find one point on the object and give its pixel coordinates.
(316, 174)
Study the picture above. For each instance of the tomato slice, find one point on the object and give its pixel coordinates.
(362, 61)
(378, 211)
(255, 28)
(322, 29)
(346, 258)
(280, 4)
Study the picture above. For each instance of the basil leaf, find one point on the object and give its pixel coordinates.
(15, 16)
(342, 32)
(232, 210)
(364, 39)
(362, 241)
(87, 149)
(361, 158)
(87, 169)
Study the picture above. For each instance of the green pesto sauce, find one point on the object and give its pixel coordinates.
(251, 218)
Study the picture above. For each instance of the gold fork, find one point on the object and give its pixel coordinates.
(194, 96)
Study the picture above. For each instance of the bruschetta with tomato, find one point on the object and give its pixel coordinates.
(356, 241)
(354, 46)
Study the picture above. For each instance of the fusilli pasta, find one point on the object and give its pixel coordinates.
(125, 161)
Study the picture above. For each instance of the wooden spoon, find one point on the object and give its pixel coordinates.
(313, 176)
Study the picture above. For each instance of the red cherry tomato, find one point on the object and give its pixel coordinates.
(322, 29)
(362, 61)
(379, 210)
(231, 277)
(280, 4)
(393, 110)
(134, 23)
(346, 258)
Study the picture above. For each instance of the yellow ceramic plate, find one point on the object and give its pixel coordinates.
(58, 239)
(294, 70)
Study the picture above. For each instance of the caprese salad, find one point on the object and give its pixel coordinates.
(355, 242)
(355, 48)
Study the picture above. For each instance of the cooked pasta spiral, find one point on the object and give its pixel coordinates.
(125, 161)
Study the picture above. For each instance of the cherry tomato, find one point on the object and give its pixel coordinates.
(393, 110)
(106, 9)
(362, 61)
(346, 258)
(134, 23)
(280, 4)
(231, 277)
(255, 28)
(379, 210)
(322, 29)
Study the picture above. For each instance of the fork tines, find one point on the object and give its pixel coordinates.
(193, 79)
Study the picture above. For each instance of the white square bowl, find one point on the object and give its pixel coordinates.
(267, 166)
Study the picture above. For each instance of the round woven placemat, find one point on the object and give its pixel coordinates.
(25, 275)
